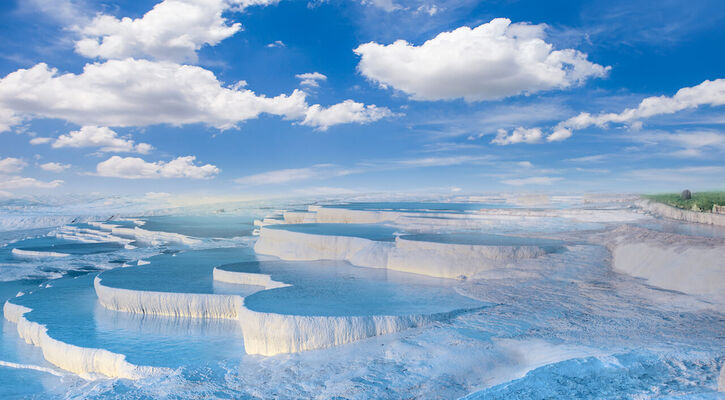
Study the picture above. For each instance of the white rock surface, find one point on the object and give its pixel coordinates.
(693, 265)
(246, 278)
(85, 362)
(666, 211)
(37, 254)
(427, 258)
(165, 303)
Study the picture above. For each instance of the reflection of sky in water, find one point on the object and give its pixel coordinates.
(366, 231)
(566, 298)
(211, 226)
(335, 288)
(418, 206)
(71, 313)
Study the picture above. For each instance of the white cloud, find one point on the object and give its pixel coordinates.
(103, 137)
(136, 93)
(11, 165)
(311, 78)
(342, 113)
(137, 168)
(535, 180)
(704, 176)
(157, 195)
(710, 93)
(492, 61)
(385, 5)
(319, 171)
(590, 159)
(174, 30)
(54, 167)
(430, 9)
(687, 143)
(19, 182)
(140, 92)
(7, 119)
(41, 140)
(443, 161)
(276, 43)
(518, 135)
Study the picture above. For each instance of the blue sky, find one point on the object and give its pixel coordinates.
(267, 98)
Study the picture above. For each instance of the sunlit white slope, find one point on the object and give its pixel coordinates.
(693, 265)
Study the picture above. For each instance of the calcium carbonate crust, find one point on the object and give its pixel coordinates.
(89, 363)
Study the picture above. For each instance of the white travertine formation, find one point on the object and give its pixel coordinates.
(298, 217)
(247, 278)
(456, 261)
(270, 334)
(86, 362)
(295, 246)
(146, 236)
(441, 260)
(264, 333)
(84, 235)
(195, 305)
(37, 254)
(693, 265)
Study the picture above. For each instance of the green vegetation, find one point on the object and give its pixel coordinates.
(703, 200)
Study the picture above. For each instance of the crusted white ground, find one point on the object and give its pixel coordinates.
(264, 333)
(86, 362)
(441, 260)
(666, 211)
(692, 265)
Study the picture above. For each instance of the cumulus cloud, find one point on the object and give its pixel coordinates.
(54, 167)
(708, 93)
(103, 137)
(174, 30)
(319, 171)
(19, 182)
(140, 92)
(11, 165)
(346, 112)
(518, 135)
(8, 119)
(534, 180)
(492, 61)
(136, 93)
(137, 168)
(311, 78)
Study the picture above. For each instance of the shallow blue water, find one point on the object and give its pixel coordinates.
(636, 339)
(623, 376)
(418, 206)
(483, 239)
(209, 226)
(336, 288)
(70, 311)
(380, 233)
(183, 272)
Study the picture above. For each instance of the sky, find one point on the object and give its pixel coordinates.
(255, 98)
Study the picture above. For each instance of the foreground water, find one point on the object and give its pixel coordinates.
(560, 325)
